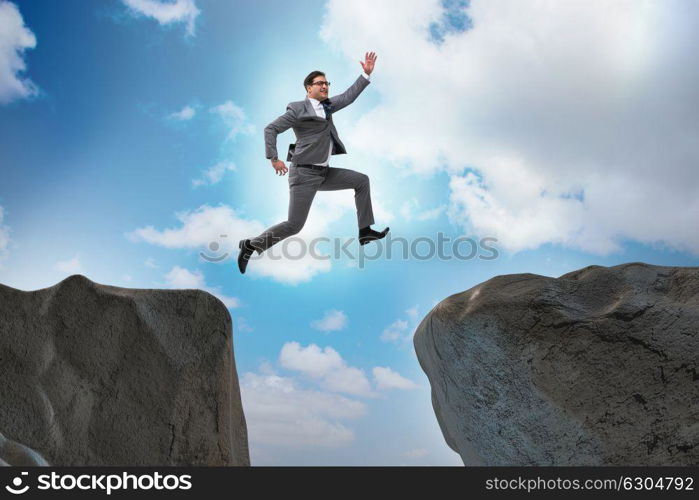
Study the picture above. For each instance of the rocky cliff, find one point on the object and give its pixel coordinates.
(100, 375)
(596, 367)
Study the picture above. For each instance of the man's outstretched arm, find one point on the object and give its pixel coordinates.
(349, 95)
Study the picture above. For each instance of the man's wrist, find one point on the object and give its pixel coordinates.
(273, 159)
(366, 75)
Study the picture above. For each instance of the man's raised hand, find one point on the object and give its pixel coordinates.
(369, 62)
(280, 167)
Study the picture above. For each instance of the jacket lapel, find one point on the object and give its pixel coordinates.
(310, 112)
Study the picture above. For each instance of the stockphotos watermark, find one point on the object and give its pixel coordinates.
(422, 248)
(101, 482)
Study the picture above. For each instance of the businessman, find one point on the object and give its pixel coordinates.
(309, 168)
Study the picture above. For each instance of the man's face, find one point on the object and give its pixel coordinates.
(319, 89)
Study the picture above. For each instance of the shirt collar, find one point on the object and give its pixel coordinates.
(316, 103)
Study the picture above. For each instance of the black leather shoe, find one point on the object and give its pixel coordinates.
(367, 234)
(246, 250)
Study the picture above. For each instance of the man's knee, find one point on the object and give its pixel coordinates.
(295, 226)
(362, 180)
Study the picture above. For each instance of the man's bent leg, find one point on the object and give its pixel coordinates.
(344, 178)
(300, 200)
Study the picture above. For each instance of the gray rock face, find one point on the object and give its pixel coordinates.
(100, 375)
(596, 367)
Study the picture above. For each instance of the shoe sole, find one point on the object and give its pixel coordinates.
(367, 239)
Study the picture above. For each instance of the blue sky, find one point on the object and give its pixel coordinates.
(131, 138)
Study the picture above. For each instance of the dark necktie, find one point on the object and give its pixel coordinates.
(327, 106)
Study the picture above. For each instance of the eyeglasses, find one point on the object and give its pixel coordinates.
(320, 84)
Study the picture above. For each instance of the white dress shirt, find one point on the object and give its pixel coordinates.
(320, 111)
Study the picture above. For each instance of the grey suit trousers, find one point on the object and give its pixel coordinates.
(303, 185)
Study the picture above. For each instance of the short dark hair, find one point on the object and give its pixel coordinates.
(309, 79)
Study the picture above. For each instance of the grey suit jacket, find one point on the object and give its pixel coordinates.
(313, 133)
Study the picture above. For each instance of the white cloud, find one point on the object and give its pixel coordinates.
(311, 360)
(385, 378)
(410, 210)
(234, 118)
(575, 119)
(150, 262)
(199, 228)
(286, 270)
(185, 114)
(70, 266)
(401, 330)
(415, 453)
(214, 174)
(395, 331)
(15, 38)
(291, 422)
(166, 12)
(349, 380)
(281, 413)
(327, 366)
(332, 320)
(241, 324)
(223, 226)
(179, 277)
(4, 236)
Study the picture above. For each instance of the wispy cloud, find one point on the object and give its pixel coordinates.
(234, 119)
(412, 313)
(385, 378)
(185, 114)
(70, 266)
(280, 412)
(415, 453)
(165, 12)
(150, 262)
(241, 324)
(411, 210)
(224, 226)
(395, 331)
(15, 38)
(328, 367)
(288, 415)
(179, 277)
(198, 228)
(401, 330)
(332, 321)
(214, 174)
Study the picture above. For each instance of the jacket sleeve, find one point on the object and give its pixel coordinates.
(348, 96)
(281, 124)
